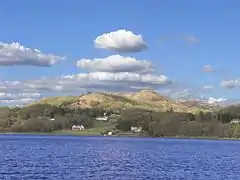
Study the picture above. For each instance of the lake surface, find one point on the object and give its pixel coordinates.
(30, 157)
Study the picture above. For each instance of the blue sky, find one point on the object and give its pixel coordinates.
(181, 36)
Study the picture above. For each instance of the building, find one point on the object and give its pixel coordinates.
(136, 129)
(103, 118)
(235, 121)
(76, 127)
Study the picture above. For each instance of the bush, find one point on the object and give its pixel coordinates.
(38, 125)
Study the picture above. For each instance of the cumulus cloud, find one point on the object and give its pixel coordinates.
(113, 81)
(16, 54)
(116, 63)
(230, 83)
(121, 41)
(105, 81)
(207, 68)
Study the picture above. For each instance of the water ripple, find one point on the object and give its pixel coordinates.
(31, 157)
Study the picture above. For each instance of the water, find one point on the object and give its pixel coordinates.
(31, 157)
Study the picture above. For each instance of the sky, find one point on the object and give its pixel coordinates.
(184, 49)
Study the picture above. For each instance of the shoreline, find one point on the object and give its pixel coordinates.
(118, 135)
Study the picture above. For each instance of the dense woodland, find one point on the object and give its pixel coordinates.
(36, 118)
(167, 124)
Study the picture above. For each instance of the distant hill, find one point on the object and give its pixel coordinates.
(56, 100)
(144, 99)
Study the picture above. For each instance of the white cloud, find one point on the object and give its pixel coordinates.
(182, 94)
(88, 81)
(32, 90)
(16, 54)
(207, 68)
(7, 86)
(190, 38)
(190, 94)
(178, 93)
(113, 81)
(230, 84)
(212, 100)
(208, 87)
(116, 63)
(122, 76)
(10, 96)
(18, 98)
(17, 102)
(29, 91)
(120, 41)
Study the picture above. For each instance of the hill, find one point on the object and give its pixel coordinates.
(145, 99)
(141, 109)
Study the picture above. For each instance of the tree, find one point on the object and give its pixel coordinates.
(200, 116)
(236, 133)
(225, 117)
(17, 126)
(123, 124)
(39, 125)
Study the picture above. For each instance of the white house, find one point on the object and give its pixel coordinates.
(235, 121)
(76, 127)
(136, 129)
(101, 118)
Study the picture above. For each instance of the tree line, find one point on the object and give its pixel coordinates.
(164, 124)
(37, 118)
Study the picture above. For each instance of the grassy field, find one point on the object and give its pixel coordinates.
(97, 132)
(99, 128)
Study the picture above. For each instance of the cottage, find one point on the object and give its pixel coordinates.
(136, 129)
(110, 133)
(76, 127)
(235, 121)
(102, 118)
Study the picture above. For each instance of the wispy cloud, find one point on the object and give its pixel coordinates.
(208, 68)
(190, 39)
(229, 84)
(10, 99)
(187, 38)
(208, 87)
